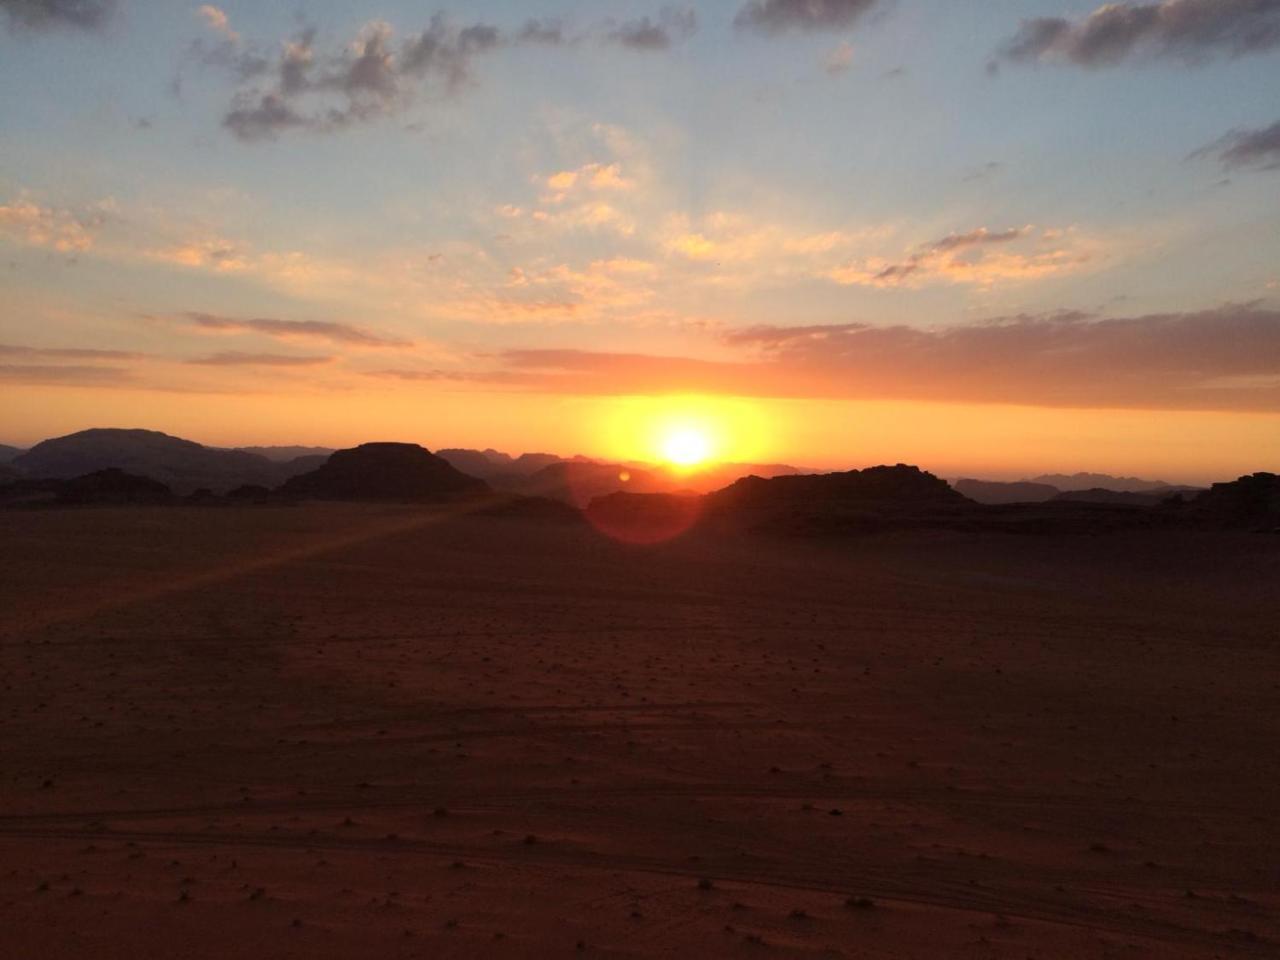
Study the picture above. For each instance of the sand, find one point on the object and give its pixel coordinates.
(375, 731)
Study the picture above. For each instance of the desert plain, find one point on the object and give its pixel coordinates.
(394, 731)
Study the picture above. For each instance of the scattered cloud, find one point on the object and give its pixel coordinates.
(340, 333)
(234, 358)
(217, 21)
(377, 74)
(50, 14)
(671, 26)
(1189, 30)
(778, 16)
(41, 226)
(838, 60)
(1247, 148)
(213, 253)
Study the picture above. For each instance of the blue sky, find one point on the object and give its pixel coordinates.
(879, 163)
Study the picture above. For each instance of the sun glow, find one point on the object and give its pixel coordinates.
(685, 432)
(686, 446)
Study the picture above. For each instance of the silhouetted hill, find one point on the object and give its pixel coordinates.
(8, 473)
(994, 492)
(102, 487)
(8, 453)
(183, 465)
(874, 498)
(287, 454)
(886, 486)
(1252, 501)
(383, 471)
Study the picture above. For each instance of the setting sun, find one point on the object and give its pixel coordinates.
(686, 446)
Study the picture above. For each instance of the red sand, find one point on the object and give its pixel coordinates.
(365, 731)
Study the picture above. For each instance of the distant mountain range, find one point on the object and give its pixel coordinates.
(111, 460)
(1103, 481)
(285, 454)
(1092, 487)
(639, 503)
(181, 465)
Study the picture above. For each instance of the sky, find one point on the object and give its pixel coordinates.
(991, 237)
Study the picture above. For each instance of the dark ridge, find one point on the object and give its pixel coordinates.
(383, 471)
(181, 464)
(1250, 501)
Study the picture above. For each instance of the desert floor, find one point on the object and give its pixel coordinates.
(362, 731)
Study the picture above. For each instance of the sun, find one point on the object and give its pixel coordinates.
(686, 446)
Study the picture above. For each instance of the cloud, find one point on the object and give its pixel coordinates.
(1227, 358)
(1223, 358)
(550, 32)
(378, 74)
(1189, 30)
(41, 226)
(340, 333)
(372, 76)
(975, 257)
(671, 26)
(49, 14)
(234, 358)
(217, 22)
(1247, 148)
(777, 16)
(61, 375)
(65, 353)
(839, 60)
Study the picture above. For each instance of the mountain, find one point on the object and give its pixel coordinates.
(881, 486)
(287, 454)
(8, 453)
(383, 471)
(993, 492)
(113, 486)
(1252, 501)
(1102, 481)
(874, 498)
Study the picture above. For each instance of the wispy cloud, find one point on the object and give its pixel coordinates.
(1226, 358)
(235, 358)
(980, 257)
(1247, 148)
(1190, 30)
(66, 353)
(69, 375)
(340, 333)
